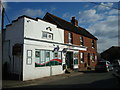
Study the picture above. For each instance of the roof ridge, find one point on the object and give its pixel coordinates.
(61, 19)
(70, 26)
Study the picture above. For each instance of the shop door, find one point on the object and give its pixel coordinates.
(69, 60)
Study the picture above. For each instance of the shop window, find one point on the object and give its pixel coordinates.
(37, 58)
(47, 58)
(75, 56)
(82, 57)
(42, 58)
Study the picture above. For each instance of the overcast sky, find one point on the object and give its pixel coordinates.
(99, 20)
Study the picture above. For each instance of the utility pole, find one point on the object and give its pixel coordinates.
(2, 32)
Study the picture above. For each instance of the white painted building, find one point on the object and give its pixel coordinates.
(34, 48)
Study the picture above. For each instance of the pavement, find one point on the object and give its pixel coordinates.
(40, 81)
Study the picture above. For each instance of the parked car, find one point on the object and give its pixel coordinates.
(103, 66)
(117, 74)
(116, 63)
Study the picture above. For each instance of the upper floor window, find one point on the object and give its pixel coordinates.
(82, 57)
(47, 35)
(70, 37)
(93, 44)
(81, 41)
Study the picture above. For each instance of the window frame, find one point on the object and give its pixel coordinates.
(70, 38)
(29, 58)
(82, 58)
(47, 35)
(93, 57)
(81, 41)
(93, 44)
(44, 58)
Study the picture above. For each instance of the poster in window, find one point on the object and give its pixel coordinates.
(37, 53)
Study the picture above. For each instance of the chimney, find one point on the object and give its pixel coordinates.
(74, 21)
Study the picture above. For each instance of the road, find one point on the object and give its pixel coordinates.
(86, 80)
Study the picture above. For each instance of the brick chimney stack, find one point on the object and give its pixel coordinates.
(74, 21)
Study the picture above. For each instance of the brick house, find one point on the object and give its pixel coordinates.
(75, 35)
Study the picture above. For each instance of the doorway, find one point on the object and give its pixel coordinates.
(69, 60)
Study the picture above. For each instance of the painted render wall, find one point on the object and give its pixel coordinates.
(33, 29)
(32, 72)
(13, 35)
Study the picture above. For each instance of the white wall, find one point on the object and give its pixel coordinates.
(32, 72)
(33, 29)
(13, 35)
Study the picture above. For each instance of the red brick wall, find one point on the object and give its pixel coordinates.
(87, 43)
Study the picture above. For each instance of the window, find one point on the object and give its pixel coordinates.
(44, 35)
(47, 58)
(81, 41)
(93, 57)
(93, 44)
(75, 57)
(82, 57)
(29, 57)
(37, 58)
(50, 36)
(47, 35)
(69, 37)
(42, 58)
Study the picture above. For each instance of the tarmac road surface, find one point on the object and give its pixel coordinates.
(86, 80)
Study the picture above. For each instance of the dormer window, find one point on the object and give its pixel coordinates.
(70, 37)
(81, 41)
